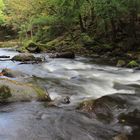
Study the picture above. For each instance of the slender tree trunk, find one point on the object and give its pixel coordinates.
(132, 25)
(92, 15)
(113, 26)
(31, 33)
(81, 23)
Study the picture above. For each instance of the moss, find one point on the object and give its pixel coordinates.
(121, 63)
(23, 57)
(42, 95)
(7, 44)
(86, 105)
(5, 93)
(86, 38)
(132, 64)
(56, 42)
(18, 92)
(27, 43)
(21, 49)
(108, 46)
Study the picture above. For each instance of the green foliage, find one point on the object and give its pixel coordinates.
(2, 6)
(133, 64)
(43, 20)
(86, 38)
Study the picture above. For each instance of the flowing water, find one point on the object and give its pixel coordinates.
(80, 79)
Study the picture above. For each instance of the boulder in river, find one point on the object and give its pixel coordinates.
(121, 63)
(26, 58)
(12, 73)
(69, 55)
(15, 91)
(119, 109)
(5, 93)
(120, 137)
(58, 101)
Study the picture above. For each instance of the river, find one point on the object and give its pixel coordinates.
(80, 79)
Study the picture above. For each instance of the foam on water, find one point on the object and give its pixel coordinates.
(77, 78)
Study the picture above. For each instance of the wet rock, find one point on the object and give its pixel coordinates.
(132, 117)
(22, 92)
(99, 108)
(103, 108)
(58, 101)
(69, 55)
(5, 93)
(121, 63)
(27, 58)
(87, 106)
(12, 73)
(120, 137)
(33, 47)
(23, 57)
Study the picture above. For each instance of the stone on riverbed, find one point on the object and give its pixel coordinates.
(14, 91)
(123, 109)
(5, 93)
(120, 137)
(23, 57)
(58, 101)
(121, 63)
(26, 57)
(12, 73)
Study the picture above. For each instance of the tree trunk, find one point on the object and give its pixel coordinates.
(113, 26)
(81, 23)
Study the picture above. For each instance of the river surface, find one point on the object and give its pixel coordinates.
(80, 79)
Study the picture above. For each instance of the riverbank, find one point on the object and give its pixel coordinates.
(107, 54)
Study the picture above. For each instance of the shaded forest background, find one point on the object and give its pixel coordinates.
(96, 25)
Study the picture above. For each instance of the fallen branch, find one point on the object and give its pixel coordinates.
(4, 56)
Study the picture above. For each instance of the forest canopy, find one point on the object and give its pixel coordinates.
(45, 20)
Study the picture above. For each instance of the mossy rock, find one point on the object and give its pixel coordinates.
(21, 50)
(32, 46)
(121, 63)
(132, 64)
(86, 106)
(12, 73)
(5, 93)
(24, 57)
(17, 91)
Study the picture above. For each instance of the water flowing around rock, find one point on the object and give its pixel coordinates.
(80, 80)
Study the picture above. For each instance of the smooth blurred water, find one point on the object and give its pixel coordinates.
(77, 78)
(80, 79)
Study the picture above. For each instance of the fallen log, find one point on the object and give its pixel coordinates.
(4, 56)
